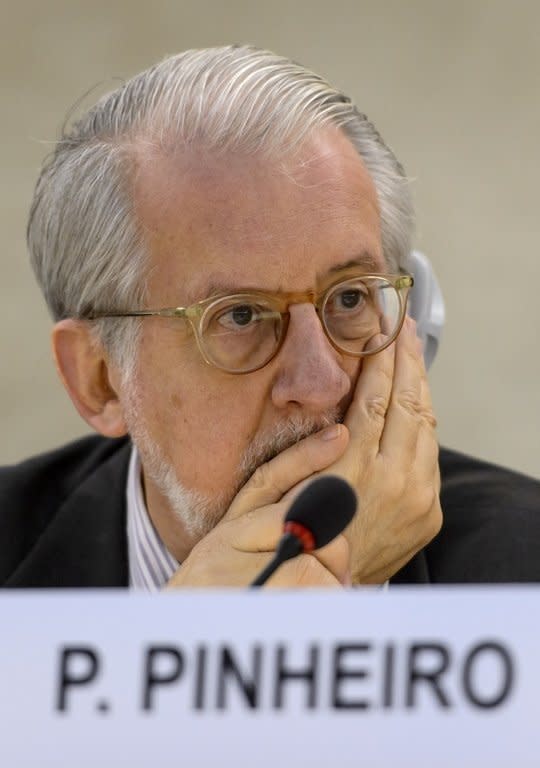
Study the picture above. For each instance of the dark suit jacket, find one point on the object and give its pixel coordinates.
(63, 521)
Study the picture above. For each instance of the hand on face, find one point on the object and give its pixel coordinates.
(242, 543)
(391, 461)
(388, 452)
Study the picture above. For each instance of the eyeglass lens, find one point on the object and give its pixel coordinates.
(243, 333)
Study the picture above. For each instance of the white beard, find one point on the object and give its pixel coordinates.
(198, 513)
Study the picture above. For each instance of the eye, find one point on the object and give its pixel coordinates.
(347, 300)
(350, 299)
(239, 317)
(242, 315)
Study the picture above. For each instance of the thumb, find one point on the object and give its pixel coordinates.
(274, 478)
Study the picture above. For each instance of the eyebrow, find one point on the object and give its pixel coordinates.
(365, 261)
(217, 285)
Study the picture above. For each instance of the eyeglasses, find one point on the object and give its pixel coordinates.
(360, 314)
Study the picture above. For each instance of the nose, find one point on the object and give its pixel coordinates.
(309, 371)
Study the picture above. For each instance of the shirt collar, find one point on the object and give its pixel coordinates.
(151, 565)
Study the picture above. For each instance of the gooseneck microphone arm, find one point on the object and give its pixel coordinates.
(318, 514)
(289, 546)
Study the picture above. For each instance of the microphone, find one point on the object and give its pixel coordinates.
(318, 514)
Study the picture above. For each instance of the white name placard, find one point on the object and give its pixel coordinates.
(438, 678)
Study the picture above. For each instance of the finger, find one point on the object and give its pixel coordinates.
(303, 571)
(237, 570)
(332, 559)
(426, 402)
(427, 446)
(404, 415)
(260, 531)
(241, 569)
(336, 558)
(274, 478)
(367, 411)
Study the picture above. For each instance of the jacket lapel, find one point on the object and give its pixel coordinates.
(86, 543)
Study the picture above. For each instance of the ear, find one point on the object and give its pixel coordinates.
(85, 371)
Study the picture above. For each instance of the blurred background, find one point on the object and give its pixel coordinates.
(452, 86)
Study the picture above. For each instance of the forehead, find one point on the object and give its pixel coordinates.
(219, 223)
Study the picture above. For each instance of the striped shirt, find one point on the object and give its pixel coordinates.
(151, 565)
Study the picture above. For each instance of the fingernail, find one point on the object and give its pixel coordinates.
(331, 433)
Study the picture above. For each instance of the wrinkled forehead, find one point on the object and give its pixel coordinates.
(273, 224)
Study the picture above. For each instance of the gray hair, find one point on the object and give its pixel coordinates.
(85, 243)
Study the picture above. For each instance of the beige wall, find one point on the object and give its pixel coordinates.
(452, 86)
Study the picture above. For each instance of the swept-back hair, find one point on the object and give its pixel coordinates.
(85, 244)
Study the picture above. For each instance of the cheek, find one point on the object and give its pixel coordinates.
(202, 421)
(206, 435)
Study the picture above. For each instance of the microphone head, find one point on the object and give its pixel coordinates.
(325, 507)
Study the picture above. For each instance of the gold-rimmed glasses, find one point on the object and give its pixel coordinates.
(241, 332)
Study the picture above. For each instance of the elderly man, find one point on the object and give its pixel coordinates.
(223, 244)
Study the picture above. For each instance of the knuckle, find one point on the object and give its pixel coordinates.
(257, 517)
(259, 478)
(429, 417)
(436, 517)
(433, 519)
(427, 499)
(263, 479)
(409, 401)
(375, 407)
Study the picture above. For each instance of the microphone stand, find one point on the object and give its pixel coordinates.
(289, 546)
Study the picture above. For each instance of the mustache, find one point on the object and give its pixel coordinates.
(268, 444)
